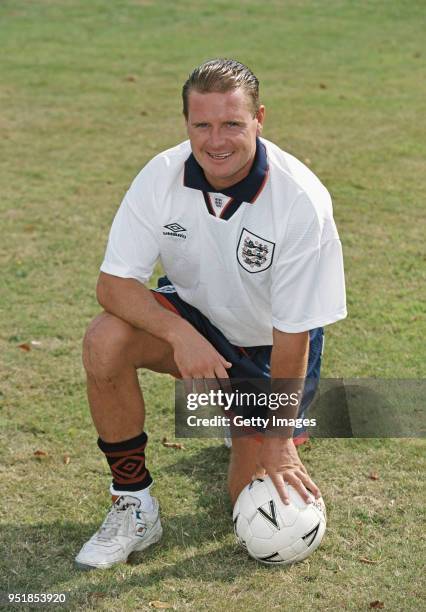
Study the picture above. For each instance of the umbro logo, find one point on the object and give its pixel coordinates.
(175, 230)
(175, 227)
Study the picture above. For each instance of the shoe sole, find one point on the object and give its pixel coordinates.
(142, 546)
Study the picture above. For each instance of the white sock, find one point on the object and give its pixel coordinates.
(143, 495)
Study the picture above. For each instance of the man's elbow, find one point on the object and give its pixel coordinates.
(102, 290)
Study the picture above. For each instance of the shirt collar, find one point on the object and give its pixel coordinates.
(243, 191)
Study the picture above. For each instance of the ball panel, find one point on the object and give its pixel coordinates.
(262, 527)
(260, 548)
(245, 504)
(307, 519)
(314, 538)
(299, 547)
(236, 509)
(259, 493)
(242, 529)
(270, 559)
(320, 506)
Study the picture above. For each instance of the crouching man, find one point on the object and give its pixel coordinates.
(246, 236)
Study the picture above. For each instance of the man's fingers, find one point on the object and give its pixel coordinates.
(188, 385)
(225, 385)
(297, 484)
(302, 468)
(310, 485)
(223, 377)
(199, 384)
(212, 383)
(279, 483)
(227, 364)
(220, 372)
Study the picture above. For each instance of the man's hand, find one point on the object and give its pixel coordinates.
(131, 301)
(196, 358)
(278, 458)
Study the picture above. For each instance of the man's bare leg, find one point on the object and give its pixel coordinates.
(112, 352)
(242, 464)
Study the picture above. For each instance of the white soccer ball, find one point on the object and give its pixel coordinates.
(273, 532)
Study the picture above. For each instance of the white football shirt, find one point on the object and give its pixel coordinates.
(264, 253)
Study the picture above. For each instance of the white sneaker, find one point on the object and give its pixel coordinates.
(125, 529)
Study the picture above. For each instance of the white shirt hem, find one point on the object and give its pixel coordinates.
(307, 325)
(122, 272)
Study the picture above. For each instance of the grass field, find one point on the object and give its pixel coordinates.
(89, 91)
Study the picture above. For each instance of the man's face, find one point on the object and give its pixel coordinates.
(223, 131)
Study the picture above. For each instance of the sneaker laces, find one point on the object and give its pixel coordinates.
(114, 520)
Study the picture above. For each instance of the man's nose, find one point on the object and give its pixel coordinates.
(216, 137)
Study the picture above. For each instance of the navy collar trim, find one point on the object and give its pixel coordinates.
(246, 190)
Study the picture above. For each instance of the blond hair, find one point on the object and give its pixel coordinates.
(221, 75)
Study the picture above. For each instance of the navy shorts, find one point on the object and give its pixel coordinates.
(247, 362)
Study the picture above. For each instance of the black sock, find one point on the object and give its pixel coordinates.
(127, 463)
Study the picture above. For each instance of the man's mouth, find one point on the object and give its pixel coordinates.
(219, 155)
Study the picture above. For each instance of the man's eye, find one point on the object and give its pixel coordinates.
(201, 125)
(232, 124)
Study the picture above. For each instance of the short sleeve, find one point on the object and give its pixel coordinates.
(132, 248)
(308, 285)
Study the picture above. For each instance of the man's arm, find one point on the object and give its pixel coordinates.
(278, 455)
(131, 301)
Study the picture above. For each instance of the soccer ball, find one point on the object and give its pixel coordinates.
(273, 532)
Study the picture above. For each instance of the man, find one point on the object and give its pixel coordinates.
(246, 236)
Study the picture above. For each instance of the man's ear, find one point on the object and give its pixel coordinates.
(260, 116)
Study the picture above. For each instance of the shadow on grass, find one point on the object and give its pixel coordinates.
(39, 557)
(208, 468)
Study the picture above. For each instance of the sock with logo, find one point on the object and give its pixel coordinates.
(127, 463)
(144, 496)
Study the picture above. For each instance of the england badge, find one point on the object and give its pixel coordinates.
(254, 253)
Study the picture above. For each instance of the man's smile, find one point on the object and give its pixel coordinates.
(219, 156)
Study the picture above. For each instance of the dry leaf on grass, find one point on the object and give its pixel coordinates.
(369, 561)
(40, 454)
(377, 604)
(177, 445)
(174, 445)
(160, 605)
(67, 459)
(24, 346)
(373, 476)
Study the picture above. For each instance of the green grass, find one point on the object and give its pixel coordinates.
(89, 91)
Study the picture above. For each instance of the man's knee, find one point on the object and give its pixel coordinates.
(105, 345)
